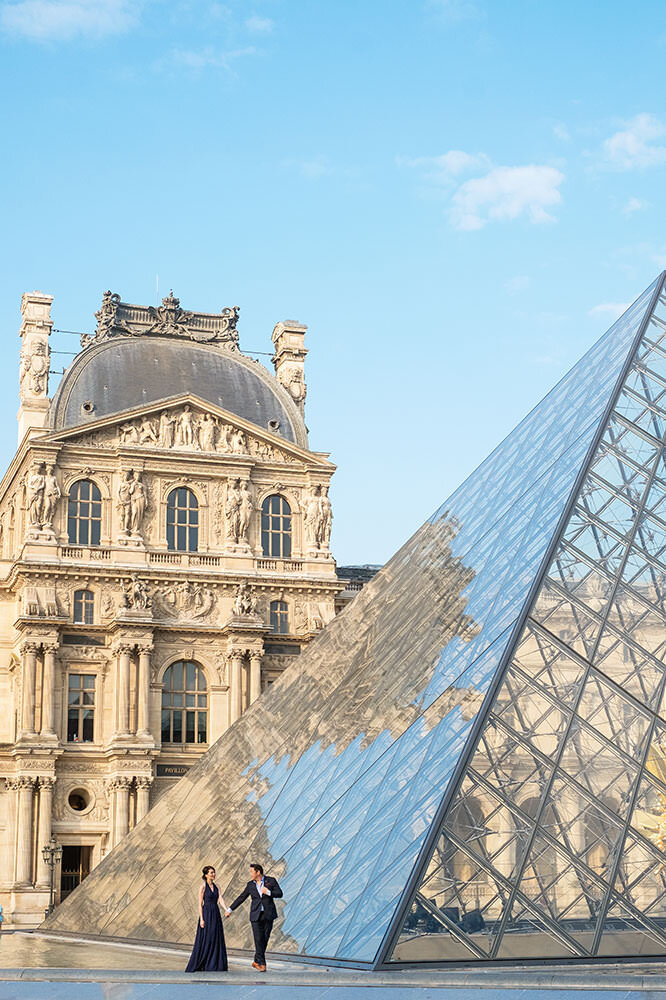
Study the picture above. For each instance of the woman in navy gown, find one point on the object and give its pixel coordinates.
(209, 953)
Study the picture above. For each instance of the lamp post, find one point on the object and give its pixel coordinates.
(51, 853)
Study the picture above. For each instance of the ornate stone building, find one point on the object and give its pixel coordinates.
(164, 532)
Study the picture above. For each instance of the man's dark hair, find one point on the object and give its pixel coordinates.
(257, 868)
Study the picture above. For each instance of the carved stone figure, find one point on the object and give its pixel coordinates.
(137, 504)
(232, 511)
(186, 427)
(34, 369)
(167, 428)
(184, 600)
(326, 518)
(36, 487)
(147, 432)
(129, 434)
(207, 428)
(245, 602)
(245, 512)
(224, 438)
(239, 442)
(136, 594)
(108, 605)
(296, 386)
(313, 517)
(51, 496)
(125, 502)
(168, 320)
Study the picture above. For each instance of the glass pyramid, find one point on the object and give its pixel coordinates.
(467, 764)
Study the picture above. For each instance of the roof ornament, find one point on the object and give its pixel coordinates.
(122, 319)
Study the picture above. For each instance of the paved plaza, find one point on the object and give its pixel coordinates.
(35, 966)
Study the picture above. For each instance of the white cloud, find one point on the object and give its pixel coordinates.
(561, 132)
(507, 193)
(313, 168)
(452, 11)
(200, 59)
(634, 205)
(259, 25)
(612, 309)
(517, 284)
(501, 193)
(61, 20)
(634, 146)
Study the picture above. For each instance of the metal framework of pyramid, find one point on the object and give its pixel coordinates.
(469, 764)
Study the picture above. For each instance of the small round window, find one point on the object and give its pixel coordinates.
(79, 799)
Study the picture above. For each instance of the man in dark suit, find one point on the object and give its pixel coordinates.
(262, 890)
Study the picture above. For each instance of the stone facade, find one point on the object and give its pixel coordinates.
(168, 529)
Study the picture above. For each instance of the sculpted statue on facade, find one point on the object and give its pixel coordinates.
(245, 602)
(245, 512)
(167, 429)
(125, 502)
(318, 518)
(207, 429)
(232, 511)
(147, 432)
(136, 594)
(52, 494)
(239, 442)
(184, 600)
(186, 427)
(129, 434)
(326, 518)
(34, 369)
(138, 500)
(36, 489)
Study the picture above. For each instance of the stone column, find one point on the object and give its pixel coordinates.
(29, 666)
(255, 675)
(235, 687)
(121, 787)
(142, 797)
(44, 829)
(48, 683)
(122, 690)
(24, 786)
(143, 691)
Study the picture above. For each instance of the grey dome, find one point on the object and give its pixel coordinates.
(122, 373)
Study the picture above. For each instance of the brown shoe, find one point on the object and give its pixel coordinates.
(256, 966)
(262, 968)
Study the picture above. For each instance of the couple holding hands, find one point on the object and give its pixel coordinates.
(209, 953)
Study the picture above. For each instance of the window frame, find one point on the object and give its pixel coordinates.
(87, 602)
(276, 527)
(84, 529)
(80, 708)
(169, 706)
(279, 617)
(182, 532)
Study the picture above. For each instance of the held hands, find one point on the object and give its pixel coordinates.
(228, 913)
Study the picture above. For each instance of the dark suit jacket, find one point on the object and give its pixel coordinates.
(256, 899)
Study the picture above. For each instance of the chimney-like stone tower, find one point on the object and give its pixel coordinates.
(289, 359)
(35, 362)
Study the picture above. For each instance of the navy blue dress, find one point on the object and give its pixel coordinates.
(209, 953)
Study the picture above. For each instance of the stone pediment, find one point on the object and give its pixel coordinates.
(186, 424)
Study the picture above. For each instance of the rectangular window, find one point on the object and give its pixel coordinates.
(81, 708)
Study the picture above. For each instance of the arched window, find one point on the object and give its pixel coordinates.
(84, 513)
(276, 527)
(184, 704)
(182, 520)
(279, 617)
(84, 607)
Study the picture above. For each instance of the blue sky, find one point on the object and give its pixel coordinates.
(457, 197)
